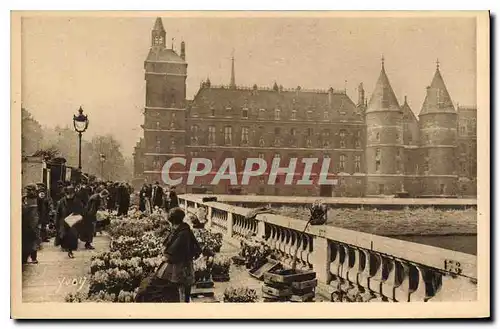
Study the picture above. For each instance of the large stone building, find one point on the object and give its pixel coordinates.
(377, 146)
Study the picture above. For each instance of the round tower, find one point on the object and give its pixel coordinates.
(438, 140)
(384, 145)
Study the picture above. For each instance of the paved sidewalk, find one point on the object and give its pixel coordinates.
(56, 274)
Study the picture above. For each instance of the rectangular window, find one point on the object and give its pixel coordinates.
(342, 162)
(357, 163)
(309, 132)
(294, 115)
(211, 135)
(381, 189)
(342, 139)
(212, 111)
(228, 135)
(277, 114)
(244, 113)
(326, 116)
(377, 165)
(244, 135)
(293, 132)
(262, 156)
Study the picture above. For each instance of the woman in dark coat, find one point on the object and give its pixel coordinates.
(174, 200)
(173, 280)
(143, 195)
(69, 234)
(30, 230)
(90, 219)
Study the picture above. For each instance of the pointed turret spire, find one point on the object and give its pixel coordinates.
(158, 34)
(437, 99)
(383, 97)
(158, 25)
(232, 84)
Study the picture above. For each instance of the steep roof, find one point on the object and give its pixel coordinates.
(268, 98)
(407, 111)
(437, 99)
(383, 97)
(158, 25)
(157, 54)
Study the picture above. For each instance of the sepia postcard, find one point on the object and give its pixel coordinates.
(252, 164)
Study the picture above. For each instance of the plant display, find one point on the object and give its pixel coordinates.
(210, 243)
(220, 268)
(255, 254)
(240, 295)
(201, 270)
(136, 251)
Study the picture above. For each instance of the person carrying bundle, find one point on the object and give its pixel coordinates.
(68, 218)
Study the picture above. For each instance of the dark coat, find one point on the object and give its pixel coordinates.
(84, 194)
(143, 195)
(123, 200)
(68, 235)
(157, 196)
(29, 225)
(45, 208)
(174, 200)
(181, 245)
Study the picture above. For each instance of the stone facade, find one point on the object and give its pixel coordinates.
(377, 147)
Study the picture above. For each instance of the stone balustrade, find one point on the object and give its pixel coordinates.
(352, 266)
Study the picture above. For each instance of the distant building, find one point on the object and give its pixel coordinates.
(377, 147)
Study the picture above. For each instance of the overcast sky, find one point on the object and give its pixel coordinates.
(98, 62)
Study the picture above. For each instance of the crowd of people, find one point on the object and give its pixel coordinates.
(155, 196)
(44, 212)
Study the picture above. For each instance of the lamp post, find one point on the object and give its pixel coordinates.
(103, 159)
(81, 123)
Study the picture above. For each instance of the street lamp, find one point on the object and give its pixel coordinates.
(81, 123)
(103, 159)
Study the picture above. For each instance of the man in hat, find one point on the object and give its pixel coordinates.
(68, 232)
(30, 229)
(157, 195)
(90, 218)
(45, 211)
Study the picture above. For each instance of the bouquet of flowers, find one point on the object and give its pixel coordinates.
(240, 295)
(201, 270)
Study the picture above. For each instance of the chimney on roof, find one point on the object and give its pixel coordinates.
(232, 83)
(183, 50)
(361, 94)
(330, 96)
(297, 91)
(406, 99)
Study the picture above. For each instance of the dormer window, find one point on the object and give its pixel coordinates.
(212, 111)
(294, 115)
(277, 113)
(309, 115)
(244, 113)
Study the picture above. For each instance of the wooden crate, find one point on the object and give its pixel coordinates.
(305, 284)
(277, 292)
(289, 276)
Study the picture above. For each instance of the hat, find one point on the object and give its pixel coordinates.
(30, 188)
(69, 189)
(104, 192)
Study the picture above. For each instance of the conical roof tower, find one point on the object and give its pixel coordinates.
(437, 98)
(384, 140)
(438, 140)
(383, 97)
